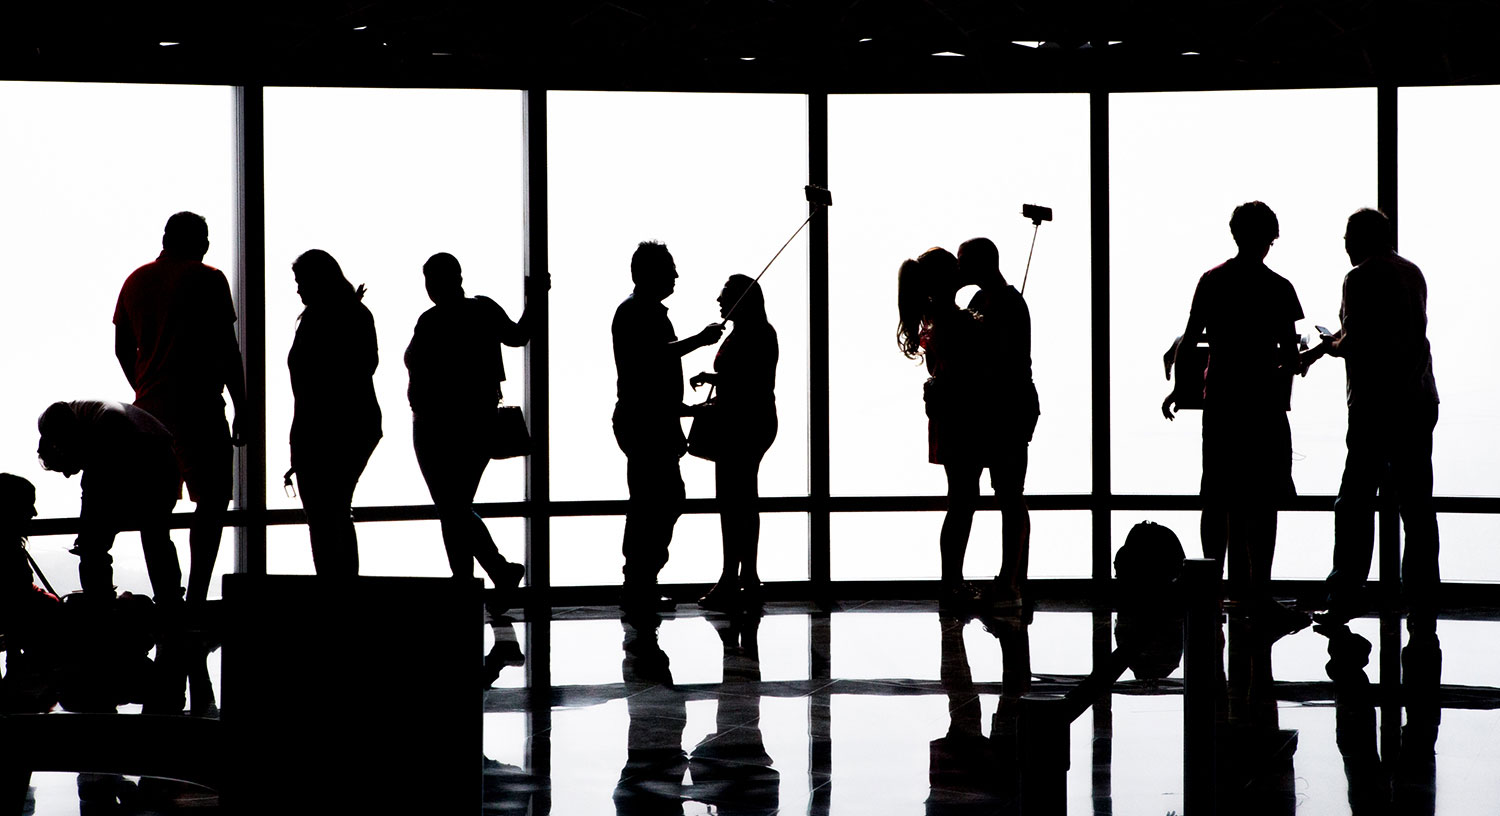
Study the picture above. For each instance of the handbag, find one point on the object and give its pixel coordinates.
(508, 434)
(705, 438)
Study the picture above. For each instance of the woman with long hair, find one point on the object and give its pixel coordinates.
(744, 379)
(336, 418)
(456, 371)
(965, 430)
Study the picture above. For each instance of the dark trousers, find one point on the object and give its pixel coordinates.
(656, 497)
(452, 458)
(140, 499)
(326, 479)
(1389, 449)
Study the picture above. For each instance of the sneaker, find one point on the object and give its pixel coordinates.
(510, 575)
(1338, 615)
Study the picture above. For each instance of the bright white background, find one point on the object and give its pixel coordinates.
(384, 178)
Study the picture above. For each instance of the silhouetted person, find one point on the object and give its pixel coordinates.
(29, 614)
(1011, 397)
(1393, 407)
(744, 378)
(647, 418)
(130, 481)
(967, 428)
(1405, 783)
(336, 419)
(175, 340)
(456, 371)
(1250, 315)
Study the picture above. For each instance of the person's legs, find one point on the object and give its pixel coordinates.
(656, 496)
(452, 468)
(326, 480)
(1009, 482)
(205, 456)
(953, 540)
(1411, 469)
(1354, 511)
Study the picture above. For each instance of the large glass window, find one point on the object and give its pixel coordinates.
(716, 177)
(90, 174)
(382, 179)
(1448, 173)
(1179, 165)
(912, 172)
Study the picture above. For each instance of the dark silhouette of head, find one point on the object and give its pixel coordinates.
(652, 270)
(60, 447)
(744, 291)
(1254, 227)
(319, 278)
(978, 259)
(924, 287)
(1367, 234)
(186, 236)
(17, 505)
(444, 277)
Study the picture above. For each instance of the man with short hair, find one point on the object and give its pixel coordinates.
(1249, 314)
(1393, 408)
(129, 482)
(175, 340)
(647, 418)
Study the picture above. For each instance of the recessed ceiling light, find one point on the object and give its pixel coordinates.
(1027, 43)
(165, 43)
(947, 54)
(1115, 42)
(360, 28)
(866, 39)
(442, 54)
(748, 59)
(1191, 54)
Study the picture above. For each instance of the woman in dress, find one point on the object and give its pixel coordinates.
(744, 379)
(336, 419)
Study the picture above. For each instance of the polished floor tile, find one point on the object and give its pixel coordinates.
(890, 708)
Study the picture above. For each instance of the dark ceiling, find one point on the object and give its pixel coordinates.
(786, 45)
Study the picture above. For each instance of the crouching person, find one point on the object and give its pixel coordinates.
(130, 481)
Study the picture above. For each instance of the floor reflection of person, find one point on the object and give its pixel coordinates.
(336, 418)
(652, 781)
(969, 772)
(647, 419)
(456, 370)
(730, 768)
(744, 379)
(1249, 314)
(1254, 751)
(130, 481)
(1406, 783)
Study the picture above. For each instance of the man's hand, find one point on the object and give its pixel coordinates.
(710, 334)
(700, 378)
(1169, 406)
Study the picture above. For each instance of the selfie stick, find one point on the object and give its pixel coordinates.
(819, 197)
(1037, 214)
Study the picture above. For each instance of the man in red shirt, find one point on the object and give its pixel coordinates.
(175, 340)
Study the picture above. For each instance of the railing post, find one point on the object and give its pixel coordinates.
(1202, 671)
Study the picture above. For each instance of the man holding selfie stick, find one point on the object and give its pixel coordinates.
(1393, 407)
